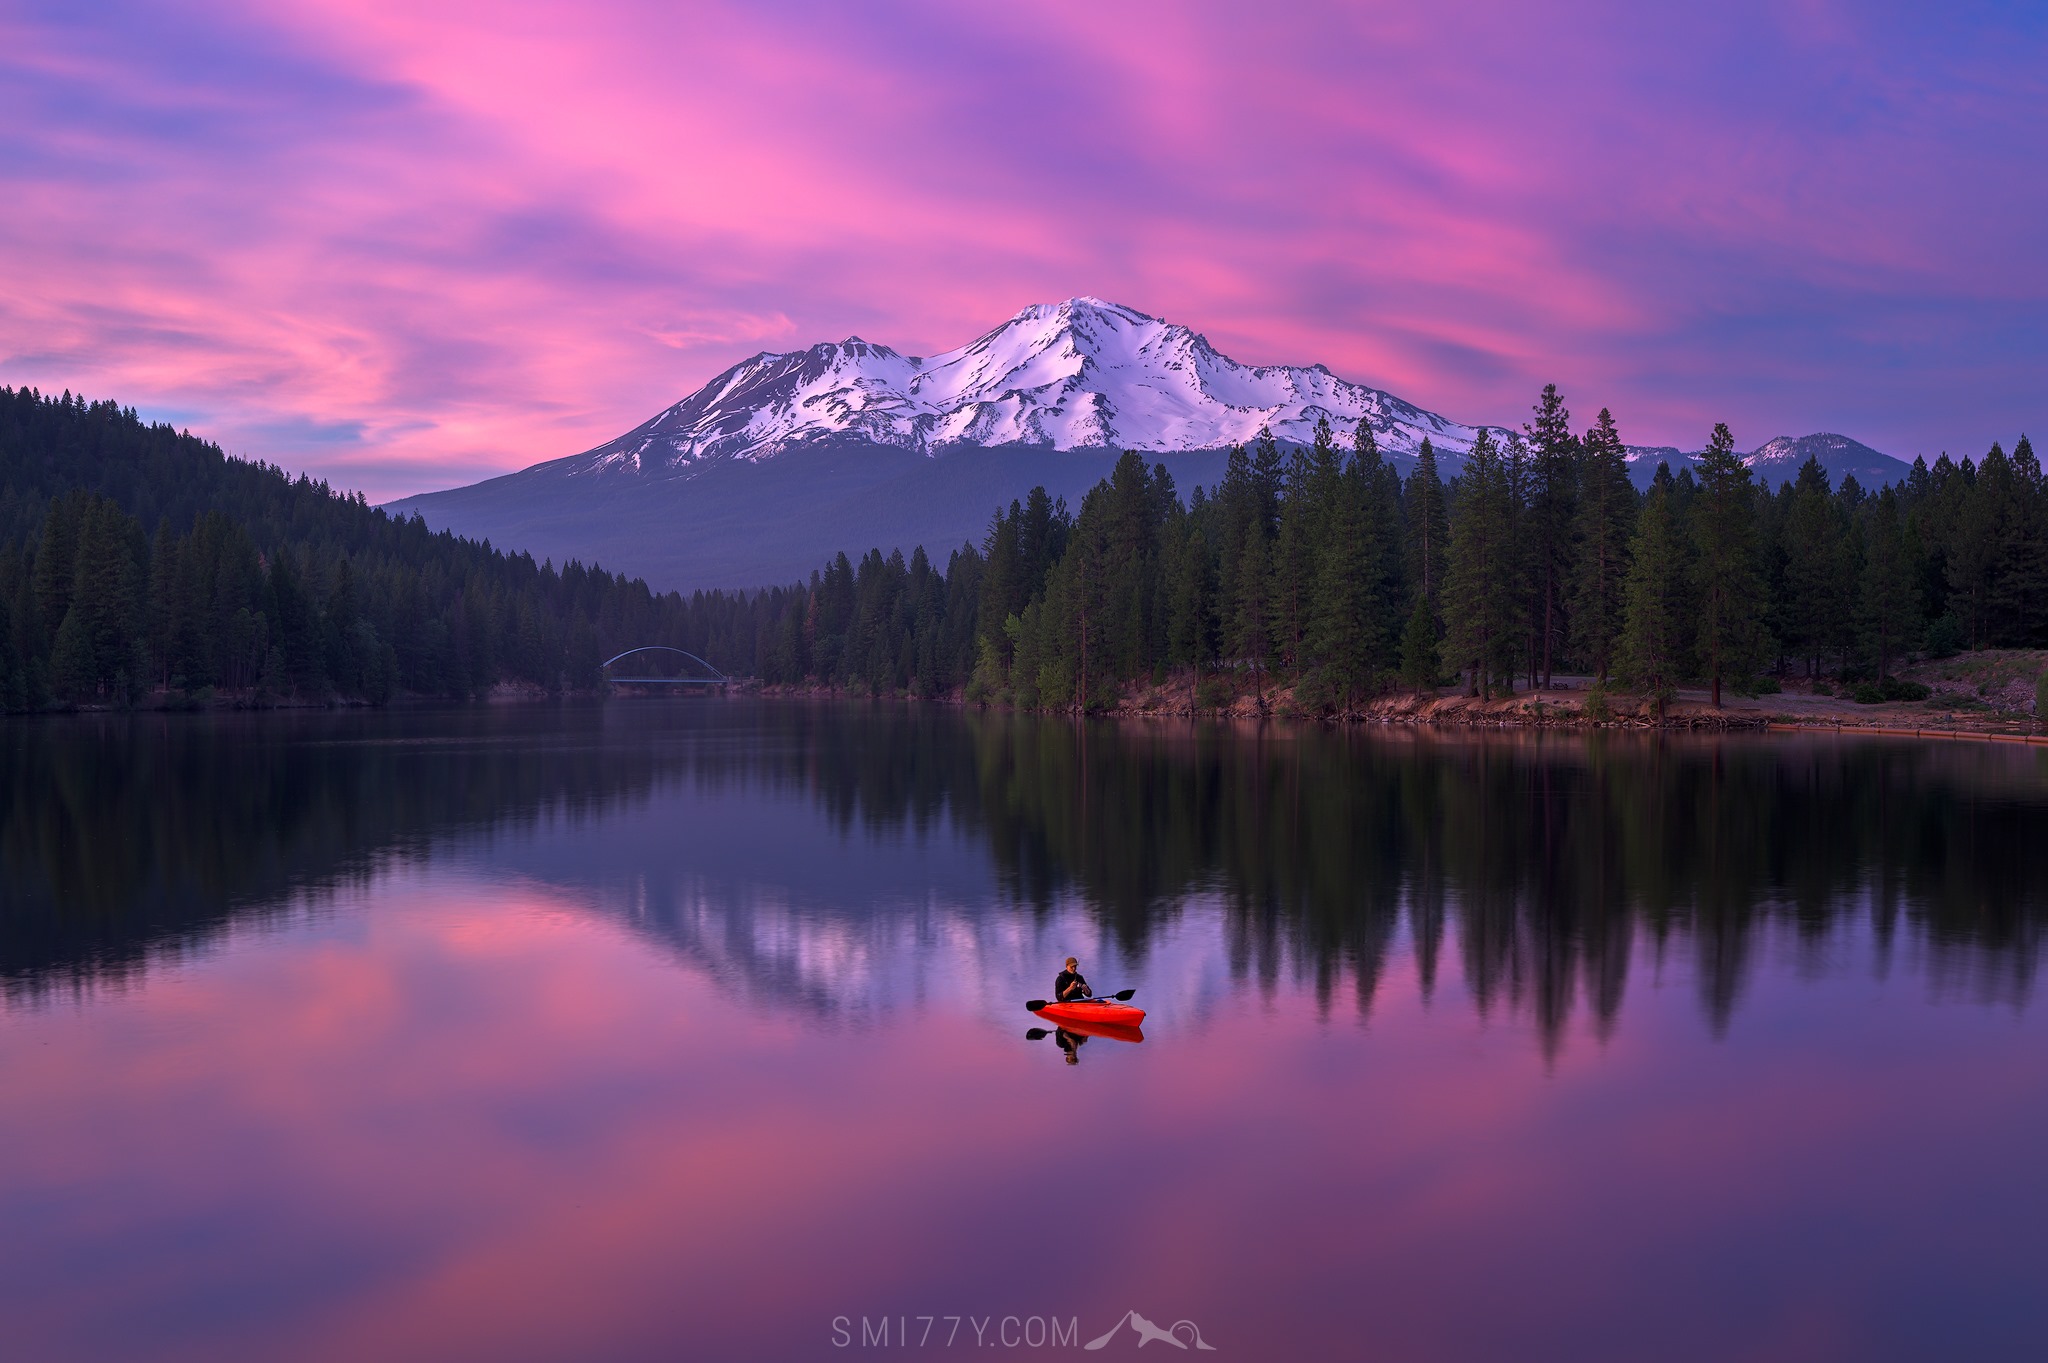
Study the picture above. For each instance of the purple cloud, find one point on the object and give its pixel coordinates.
(400, 246)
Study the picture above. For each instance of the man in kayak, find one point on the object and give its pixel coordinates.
(1069, 985)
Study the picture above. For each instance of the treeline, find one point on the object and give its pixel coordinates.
(135, 558)
(1324, 569)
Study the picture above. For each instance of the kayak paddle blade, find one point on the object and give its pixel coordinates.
(1034, 1004)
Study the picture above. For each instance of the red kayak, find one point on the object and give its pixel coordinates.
(1094, 1012)
(1115, 1031)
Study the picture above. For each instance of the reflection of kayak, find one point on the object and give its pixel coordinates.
(1115, 1031)
(1080, 1015)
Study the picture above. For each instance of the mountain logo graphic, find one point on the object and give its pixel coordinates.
(1148, 1333)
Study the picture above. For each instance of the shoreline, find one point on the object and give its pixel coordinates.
(1559, 709)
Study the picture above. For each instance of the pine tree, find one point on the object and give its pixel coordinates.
(1972, 543)
(1520, 466)
(1380, 486)
(1303, 506)
(2016, 520)
(1233, 512)
(1268, 478)
(99, 649)
(1250, 637)
(1813, 566)
(1348, 632)
(1419, 665)
(13, 675)
(1133, 512)
(1192, 627)
(1729, 588)
(1428, 529)
(1605, 521)
(1657, 614)
(1552, 510)
(345, 657)
(26, 641)
(1890, 612)
(57, 559)
(1481, 606)
(74, 668)
(165, 582)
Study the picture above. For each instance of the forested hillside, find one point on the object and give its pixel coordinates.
(134, 558)
(1323, 569)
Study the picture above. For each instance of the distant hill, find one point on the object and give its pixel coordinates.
(1778, 461)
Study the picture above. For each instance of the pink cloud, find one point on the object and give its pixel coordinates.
(409, 246)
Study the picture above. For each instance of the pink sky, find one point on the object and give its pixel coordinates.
(408, 246)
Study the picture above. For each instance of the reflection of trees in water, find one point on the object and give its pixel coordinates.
(126, 839)
(1547, 863)
(1549, 854)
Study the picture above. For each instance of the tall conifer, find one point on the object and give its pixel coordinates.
(1348, 638)
(1890, 604)
(1251, 632)
(1814, 584)
(1428, 529)
(1481, 606)
(1656, 616)
(1552, 501)
(1309, 485)
(1729, 590)
(1605, 520)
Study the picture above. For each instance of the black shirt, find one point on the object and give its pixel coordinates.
(1066, 979)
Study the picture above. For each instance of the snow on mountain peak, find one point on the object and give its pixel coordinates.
(1083, 373)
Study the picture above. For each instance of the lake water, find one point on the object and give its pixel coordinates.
(695, 1030)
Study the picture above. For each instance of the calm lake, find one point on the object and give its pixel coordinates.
(694, 1030)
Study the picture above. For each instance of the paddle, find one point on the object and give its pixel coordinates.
(1122, 996)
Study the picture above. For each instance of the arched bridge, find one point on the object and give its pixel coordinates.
(716, 678)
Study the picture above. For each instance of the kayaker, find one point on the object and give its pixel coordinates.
(1069, 985)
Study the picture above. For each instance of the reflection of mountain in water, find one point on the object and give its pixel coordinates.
(807, 854)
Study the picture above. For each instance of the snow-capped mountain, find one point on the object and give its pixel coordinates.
(1083, 374)
(784, 459)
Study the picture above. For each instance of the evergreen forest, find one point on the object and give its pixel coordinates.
(138, 560)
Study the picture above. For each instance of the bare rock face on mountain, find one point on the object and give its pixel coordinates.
(784, 459)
